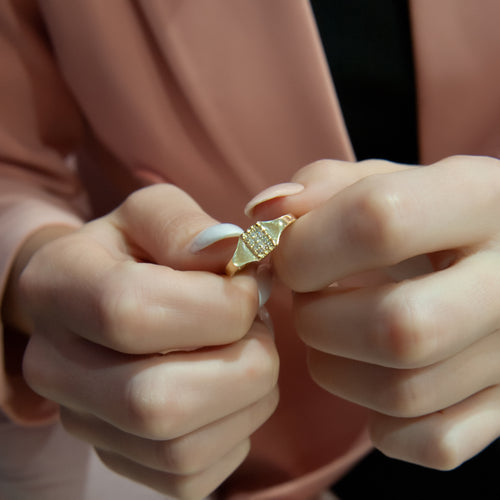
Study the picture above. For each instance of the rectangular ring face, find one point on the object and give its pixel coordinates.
(258, 241)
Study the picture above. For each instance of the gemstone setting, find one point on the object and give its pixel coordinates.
(258, 240)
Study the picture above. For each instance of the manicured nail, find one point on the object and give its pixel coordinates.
(277, 191)
(214, 234)
(264, 283)
(265, 317)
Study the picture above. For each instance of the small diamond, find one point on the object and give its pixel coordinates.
(258, 241)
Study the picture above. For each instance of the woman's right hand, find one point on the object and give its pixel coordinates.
(106, 299)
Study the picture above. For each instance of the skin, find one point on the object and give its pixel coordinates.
(101, 302)
(397, 297)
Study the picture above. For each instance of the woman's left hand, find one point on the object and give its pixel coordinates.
(397, 274)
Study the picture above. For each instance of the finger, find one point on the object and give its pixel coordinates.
(179, 486)
(136, 307)
(320, 181)
(185, 455)
(156, 397)
(385, 219)
(445, 439)
(412, 392)
(160, 223)
(410, 324)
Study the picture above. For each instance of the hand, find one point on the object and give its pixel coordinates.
(398, 297)
(106, 299)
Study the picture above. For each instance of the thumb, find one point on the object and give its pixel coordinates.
(161, 223)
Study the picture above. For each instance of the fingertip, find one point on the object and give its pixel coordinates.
(214, 234)
(272, 193)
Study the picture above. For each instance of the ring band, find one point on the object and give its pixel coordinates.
(257, 242)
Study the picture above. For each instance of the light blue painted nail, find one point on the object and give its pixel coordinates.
(214, 234)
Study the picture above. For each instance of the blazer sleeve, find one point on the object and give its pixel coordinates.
(40, 128)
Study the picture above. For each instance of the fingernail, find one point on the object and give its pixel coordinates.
(265, 317)
(264, 283)
(214, 234)
(277, 191)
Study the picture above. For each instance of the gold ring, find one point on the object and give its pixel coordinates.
(257, 242)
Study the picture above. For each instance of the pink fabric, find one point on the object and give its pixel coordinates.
(222, 98)
(456, 48)
(52, 465)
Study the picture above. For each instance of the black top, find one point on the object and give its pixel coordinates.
(369, 50)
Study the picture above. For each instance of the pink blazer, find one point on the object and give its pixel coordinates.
(222, 98)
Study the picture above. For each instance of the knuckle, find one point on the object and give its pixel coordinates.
(403, 395)
(374, 222)
(404, 334)
(180, 456)
(118, 310)
(153, 413)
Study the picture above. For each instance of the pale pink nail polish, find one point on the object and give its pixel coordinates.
(277, 191)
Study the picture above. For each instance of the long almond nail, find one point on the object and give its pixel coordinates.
(213, 234)
(277, 191)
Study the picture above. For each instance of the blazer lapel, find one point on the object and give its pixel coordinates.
(255, 75)
(257, 79)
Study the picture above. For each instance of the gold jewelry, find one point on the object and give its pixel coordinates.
(258, 241)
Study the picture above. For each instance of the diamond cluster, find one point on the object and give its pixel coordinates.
(258, 240)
